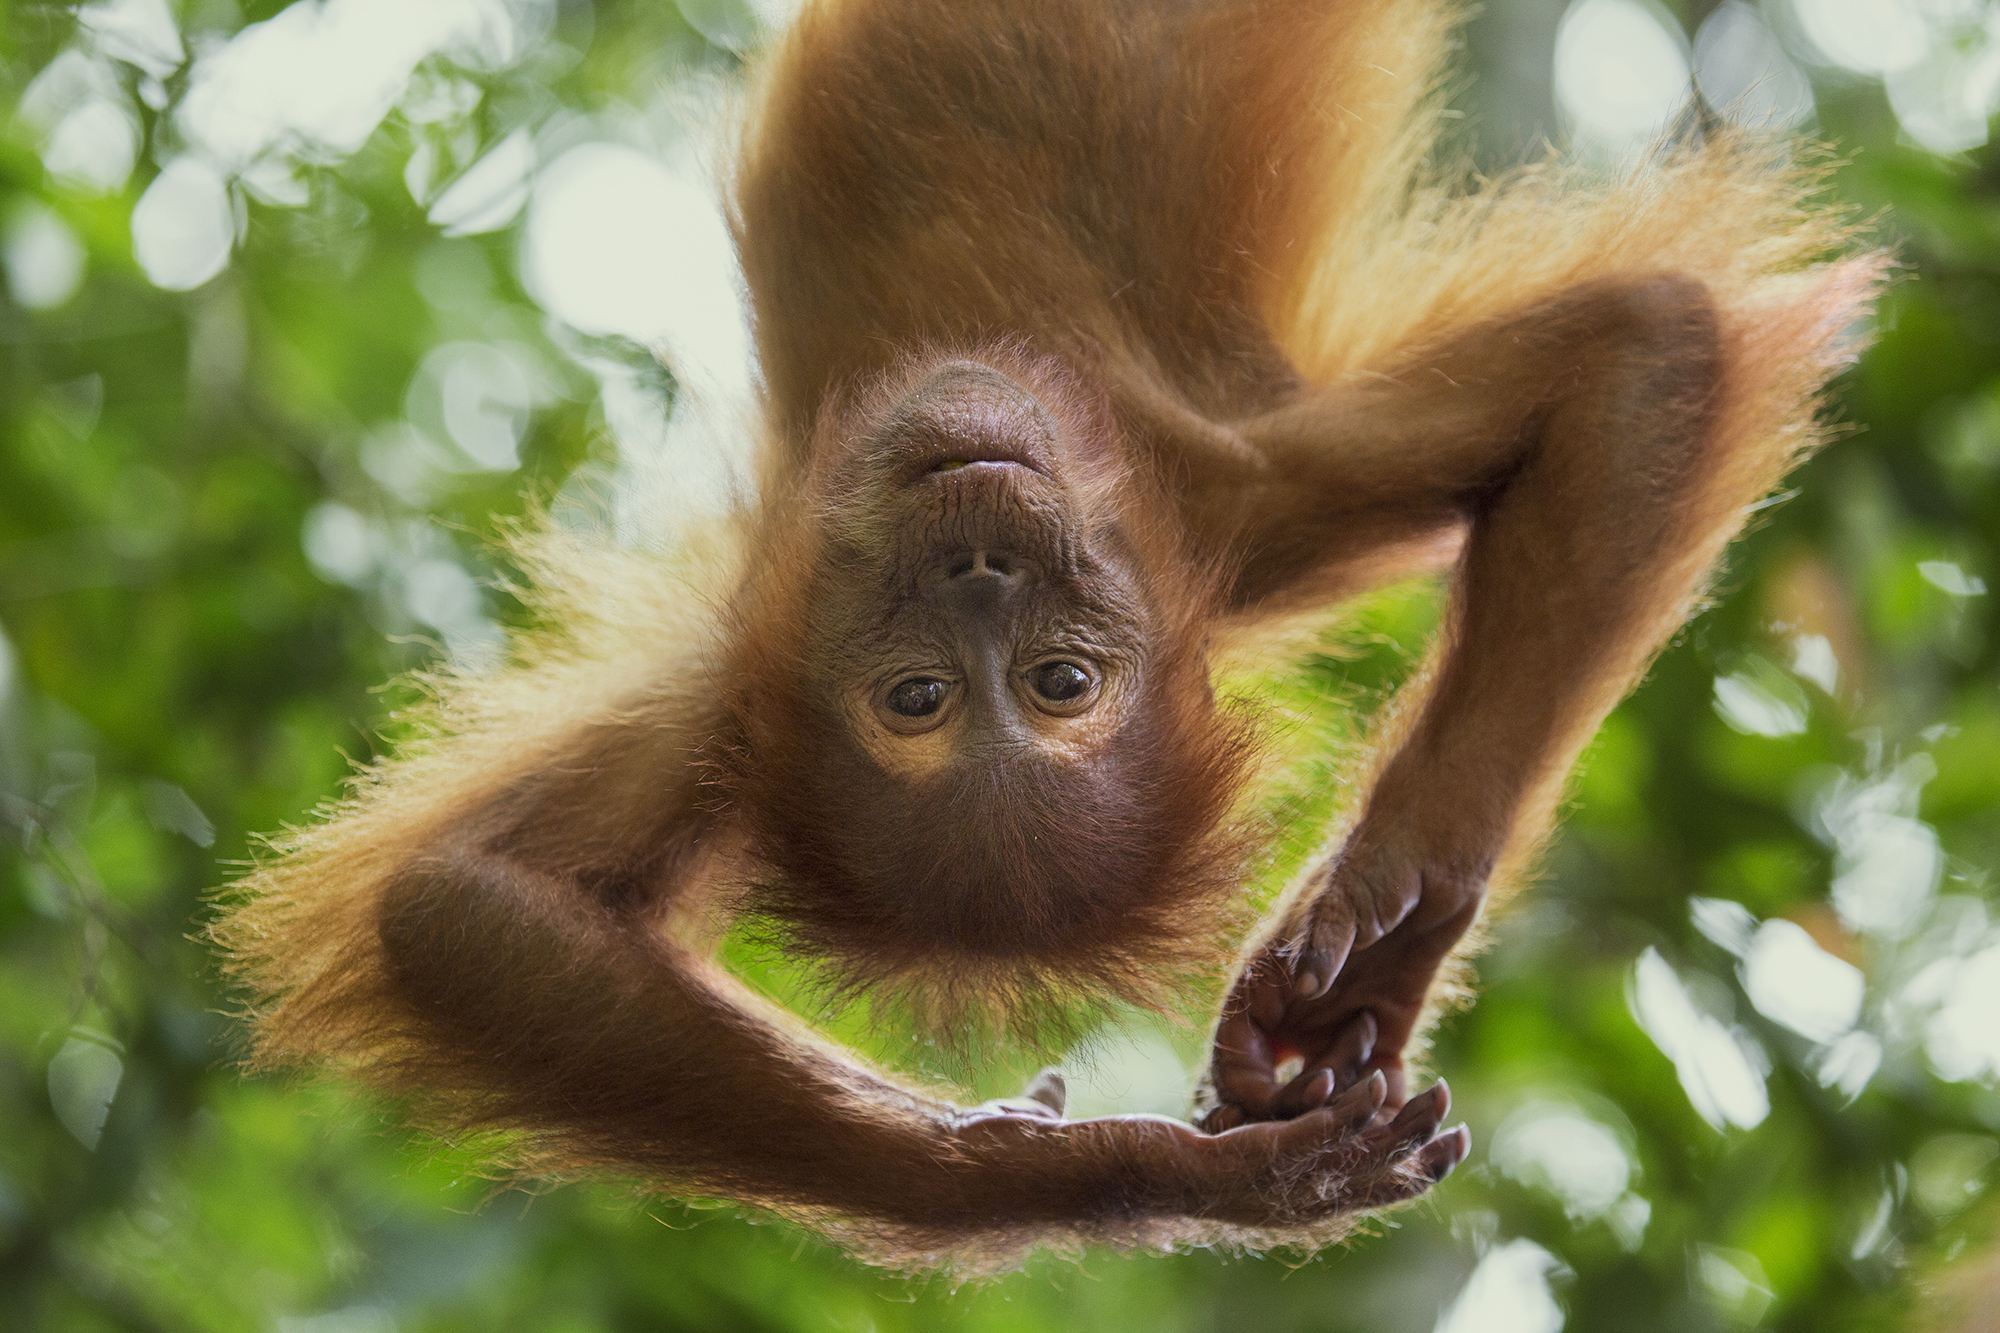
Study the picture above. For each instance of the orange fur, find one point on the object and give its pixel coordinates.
(1254, 350)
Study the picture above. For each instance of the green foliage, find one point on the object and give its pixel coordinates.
(225, 519)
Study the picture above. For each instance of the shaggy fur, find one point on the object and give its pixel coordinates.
(1214, 244)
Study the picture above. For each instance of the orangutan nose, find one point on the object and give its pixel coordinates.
(980, 564)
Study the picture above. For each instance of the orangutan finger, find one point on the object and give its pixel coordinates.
(1357, 1106)
(1307, 1092)
(1328, 944)
(1418, 1121)
(1348, 1053)
(1264, 997)
(1438, 1158)
(1048, 1088)
(1222, 1119)
(1242, 1068)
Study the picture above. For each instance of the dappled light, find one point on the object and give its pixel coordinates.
(308, 307)
(183, 225)
(1579, 1159)
(619, 243)
(1721, 1067)
(1939, 62)
(1507, 1293)
(314, 82)
(44, 259)
(1868, 36)
(1742, 70)
(1793, 981)
(1621, 72)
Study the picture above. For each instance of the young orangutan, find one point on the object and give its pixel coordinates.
(1096, 337)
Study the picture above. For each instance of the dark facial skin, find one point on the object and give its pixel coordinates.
(970, 608)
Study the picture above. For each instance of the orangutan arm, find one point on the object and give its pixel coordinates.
(580, 1024)
(1589, 443)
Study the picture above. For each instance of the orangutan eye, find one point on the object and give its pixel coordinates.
(919, 696)
(1060, 682)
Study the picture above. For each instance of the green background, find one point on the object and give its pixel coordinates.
(176, 675)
